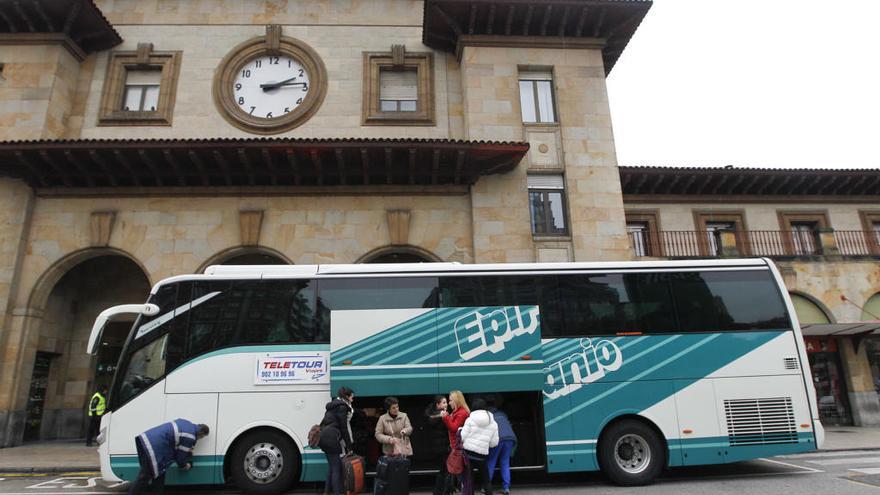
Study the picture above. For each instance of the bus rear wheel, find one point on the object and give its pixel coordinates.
(263, 463)
(631, 453)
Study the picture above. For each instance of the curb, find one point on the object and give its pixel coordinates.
(52, 469)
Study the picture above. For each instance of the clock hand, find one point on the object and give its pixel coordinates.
(286, 82)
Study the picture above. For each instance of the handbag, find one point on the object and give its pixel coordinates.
(455, 462)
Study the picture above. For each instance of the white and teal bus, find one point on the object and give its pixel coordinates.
(628, 368)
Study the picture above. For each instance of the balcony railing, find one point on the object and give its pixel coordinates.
(770, 243)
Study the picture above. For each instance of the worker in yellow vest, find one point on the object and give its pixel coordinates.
(97, 406)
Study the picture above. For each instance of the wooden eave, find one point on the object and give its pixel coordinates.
(541, 22)
(261, 162)
(751, 182)
(79, 24)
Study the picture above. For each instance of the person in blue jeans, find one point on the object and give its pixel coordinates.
(500, 454)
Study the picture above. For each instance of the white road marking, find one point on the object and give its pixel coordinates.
(90, 483)
(814, 455)
(803, 468)
(840, 462)
(866, 471)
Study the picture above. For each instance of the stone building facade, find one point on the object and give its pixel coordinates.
(821, 228)
(433, 130)
(127, 156)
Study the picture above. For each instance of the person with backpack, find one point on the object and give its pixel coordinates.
(438, 440)
(501, 453)
(479, 434)
(161, 446)
(336, 440)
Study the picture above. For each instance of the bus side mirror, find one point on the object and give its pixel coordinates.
(108, 314)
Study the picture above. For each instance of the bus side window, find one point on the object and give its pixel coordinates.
(520, 290)
(652, 298)
(278, 311)
(735, 300)
(372, 293)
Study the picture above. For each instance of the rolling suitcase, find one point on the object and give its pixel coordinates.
(392, 476)
(353, 474)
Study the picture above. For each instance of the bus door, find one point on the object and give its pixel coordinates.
(489, 349)
(379, 352)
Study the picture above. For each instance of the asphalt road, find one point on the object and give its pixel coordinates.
(841, 473)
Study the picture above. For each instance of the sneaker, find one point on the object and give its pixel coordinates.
(505, 492)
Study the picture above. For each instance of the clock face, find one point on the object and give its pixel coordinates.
(270, 86)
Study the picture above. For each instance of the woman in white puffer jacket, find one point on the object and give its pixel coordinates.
(479, 434)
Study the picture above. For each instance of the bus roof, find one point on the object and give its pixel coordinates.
(379, 269)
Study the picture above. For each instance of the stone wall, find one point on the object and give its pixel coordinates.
(38, 93)
(585, 153)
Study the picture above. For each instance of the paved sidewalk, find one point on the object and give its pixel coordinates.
(70, 455)
(49, 457)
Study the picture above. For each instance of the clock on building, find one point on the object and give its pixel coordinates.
(270, 84)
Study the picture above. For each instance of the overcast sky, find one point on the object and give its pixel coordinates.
(760, 83)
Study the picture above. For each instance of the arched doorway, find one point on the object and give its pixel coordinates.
(63, 375)
(825, 364)
(398, 254)
(255, 255)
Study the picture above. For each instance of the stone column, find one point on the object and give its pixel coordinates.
(862, 395)
(16, 206)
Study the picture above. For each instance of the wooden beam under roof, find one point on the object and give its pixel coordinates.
(459, 165)
(245, 161)
(294, 165)
(97, 158)
(435, 167)
(319, 167)
(200, 166)
(31, 168)
(412, 165)
(172, 162)
(121, 158)
(146, 160)
(24, 16)
(508, 24)
(528, 20)
(581, 22)
(388, 161)
(81, 169)
(490, 22)
(365, 163)
(564, 21)
(546, 21)
(224, 166)
(340, 164)
(270, 166)
(38, 7)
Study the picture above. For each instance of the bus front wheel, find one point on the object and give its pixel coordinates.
(631, 453)
(263, 463)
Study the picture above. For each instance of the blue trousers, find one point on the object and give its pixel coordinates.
(334, 474)
(501, 453)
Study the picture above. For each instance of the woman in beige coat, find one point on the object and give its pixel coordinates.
(393, 430)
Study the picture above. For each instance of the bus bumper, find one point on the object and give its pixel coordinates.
(820, 433)
(104, 449)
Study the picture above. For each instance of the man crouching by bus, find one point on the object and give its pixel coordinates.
(158, 447)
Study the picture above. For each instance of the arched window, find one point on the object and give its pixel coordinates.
(808, 312)
(871, 309)
(399, 254)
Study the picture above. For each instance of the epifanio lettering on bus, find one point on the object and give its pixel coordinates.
(478, 333)
(590, 364)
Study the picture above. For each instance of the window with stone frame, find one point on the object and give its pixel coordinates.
(712, 223)
(536, 97)
(398, 88)
(140, 87)
(643, 229)
(801, 229)
(547, 205)
(871, 226)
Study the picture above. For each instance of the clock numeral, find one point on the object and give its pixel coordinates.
(252, 110)
(241, 100)
(238, 86)
(301, 72)
(274, 60)
(246, 73)
(289, 62)
(305, 87)
(258, 63)
(286, 109)
(269, 115)
(299, 101)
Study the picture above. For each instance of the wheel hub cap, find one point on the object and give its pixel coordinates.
(632, 453)
(263, 463)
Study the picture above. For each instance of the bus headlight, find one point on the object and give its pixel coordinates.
(102, 437)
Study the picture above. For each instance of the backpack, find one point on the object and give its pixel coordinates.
(314, 436)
